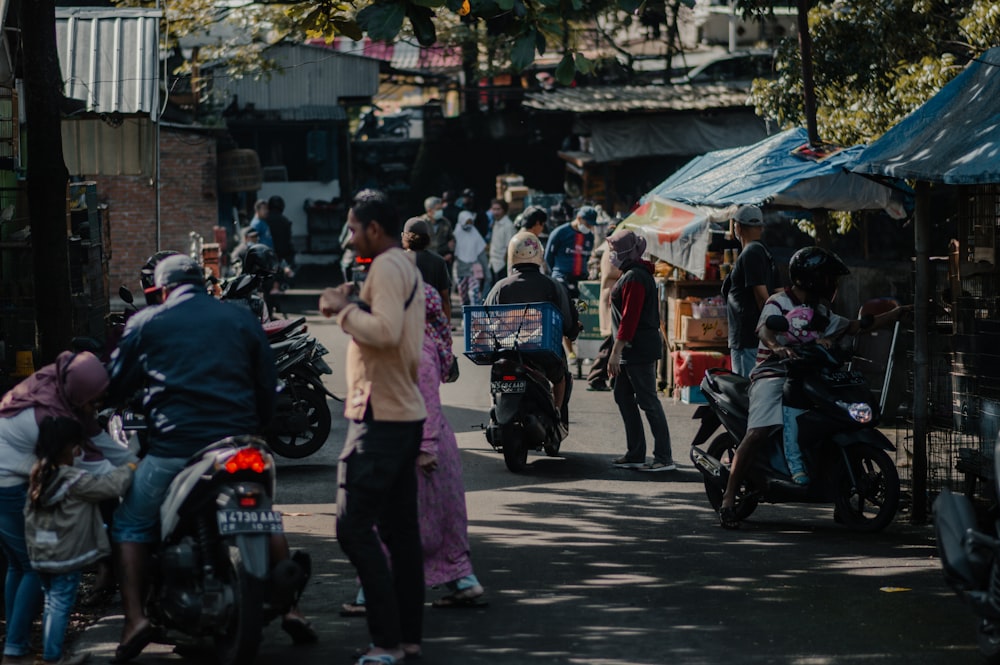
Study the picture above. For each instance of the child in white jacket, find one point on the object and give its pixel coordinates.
(63, 526)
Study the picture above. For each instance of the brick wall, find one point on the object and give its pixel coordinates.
(188, 202)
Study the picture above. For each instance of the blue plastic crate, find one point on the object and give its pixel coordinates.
(528, 327)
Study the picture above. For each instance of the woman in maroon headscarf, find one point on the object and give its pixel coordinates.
(70, 387)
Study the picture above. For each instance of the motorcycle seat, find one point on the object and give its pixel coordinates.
(282, 328)
(731, 385)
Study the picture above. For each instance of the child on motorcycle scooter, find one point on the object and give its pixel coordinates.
(814, 273)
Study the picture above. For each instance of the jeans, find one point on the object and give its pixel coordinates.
(743, 360)
(138, 516)
(790, 436)
(378, 487)
(23, 593)
(635, 388)
(60, 595)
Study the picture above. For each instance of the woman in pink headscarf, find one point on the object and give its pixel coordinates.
(71, 387)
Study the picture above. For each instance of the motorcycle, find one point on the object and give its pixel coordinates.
(845, 455)
(302, 418)
(970, 559)
(523, 416)
(212, 571)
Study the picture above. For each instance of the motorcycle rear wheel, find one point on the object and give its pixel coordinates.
(988, 639)
(515, 452)
(241, 640)
(870, 505)
(296, 446)
(722, 448)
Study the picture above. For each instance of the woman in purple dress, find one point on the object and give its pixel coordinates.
(440, 490)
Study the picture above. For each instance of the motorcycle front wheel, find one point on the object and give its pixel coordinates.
(310, 403)
(723, 448)
(238, 643)
(515, 453)
(870, 502)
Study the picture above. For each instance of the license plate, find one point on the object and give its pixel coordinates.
(132, 420)
(842, 378)
(508, 386)
(249, 521)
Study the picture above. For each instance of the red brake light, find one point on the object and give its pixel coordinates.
(510, 377)
(246, 458)
(248, 502)
(361, 259)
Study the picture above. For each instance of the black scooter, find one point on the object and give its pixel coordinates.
(524, 415)
(845, 455)
(970, 557)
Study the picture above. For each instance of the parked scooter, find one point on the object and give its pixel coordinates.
(845, 455)
(212, 571)
(524, 415)
(970, 558)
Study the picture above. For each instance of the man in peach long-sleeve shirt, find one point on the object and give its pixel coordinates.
(376, 476)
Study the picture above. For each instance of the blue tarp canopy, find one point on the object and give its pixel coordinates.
(772, 173)
(954, 138)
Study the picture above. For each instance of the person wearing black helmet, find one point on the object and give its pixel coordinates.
(814, 273)
(195, 392)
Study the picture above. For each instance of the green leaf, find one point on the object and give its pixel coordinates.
(540, 43)
(505, 5)
(453, 5)
(566, 70)
(421, 18)
(382, 22)
(348, 28)
(583, 64)
(433, 4)
(523, 52)
(577, 5)
(629, 6)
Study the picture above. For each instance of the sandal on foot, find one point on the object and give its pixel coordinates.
(300, 630)
(133, 646)
(353, 610)
(728, 518)
(380, 659)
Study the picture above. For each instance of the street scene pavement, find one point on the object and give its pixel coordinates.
(586, 563)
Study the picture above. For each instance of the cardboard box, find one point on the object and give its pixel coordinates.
(517, 194)
(704, 330)
(678, 310)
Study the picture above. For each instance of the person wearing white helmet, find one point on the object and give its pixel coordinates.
(527, 283)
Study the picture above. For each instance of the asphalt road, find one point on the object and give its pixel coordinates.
(587, 564)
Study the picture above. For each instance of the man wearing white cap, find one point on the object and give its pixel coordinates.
(747, 287)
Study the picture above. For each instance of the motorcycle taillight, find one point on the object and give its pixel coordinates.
(509, 377)
(249, 501)
(244, 459)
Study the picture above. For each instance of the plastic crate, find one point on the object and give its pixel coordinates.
(527, 327)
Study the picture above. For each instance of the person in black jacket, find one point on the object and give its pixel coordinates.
(527, 283)
(635, 313)
(281, 230)
(196, 391)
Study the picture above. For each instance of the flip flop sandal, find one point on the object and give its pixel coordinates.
(353, 610)
(454, 601)
(728, 518)
(300, 630)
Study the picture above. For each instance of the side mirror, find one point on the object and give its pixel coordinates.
(777, 323)
(125, 295)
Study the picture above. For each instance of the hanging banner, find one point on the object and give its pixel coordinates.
(674, 232)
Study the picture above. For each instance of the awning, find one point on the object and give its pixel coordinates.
(954, 138)
(777, 172)
(674, 232)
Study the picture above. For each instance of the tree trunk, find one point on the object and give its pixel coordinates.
(470, 67)
(47, 178)
(808, 83)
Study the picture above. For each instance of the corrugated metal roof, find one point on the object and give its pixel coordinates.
(109, 58)
(618, 99)
(307, 76)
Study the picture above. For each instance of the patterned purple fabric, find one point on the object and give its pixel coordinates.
(441, 493)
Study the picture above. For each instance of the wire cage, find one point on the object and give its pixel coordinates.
(526, 327)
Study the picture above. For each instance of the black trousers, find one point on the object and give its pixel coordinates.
(378, 487)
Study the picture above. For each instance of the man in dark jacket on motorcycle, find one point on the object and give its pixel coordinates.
(814, 273)
(207, 373)
(527, 284)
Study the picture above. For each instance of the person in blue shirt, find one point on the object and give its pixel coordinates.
(260, 225)
(569, 249)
